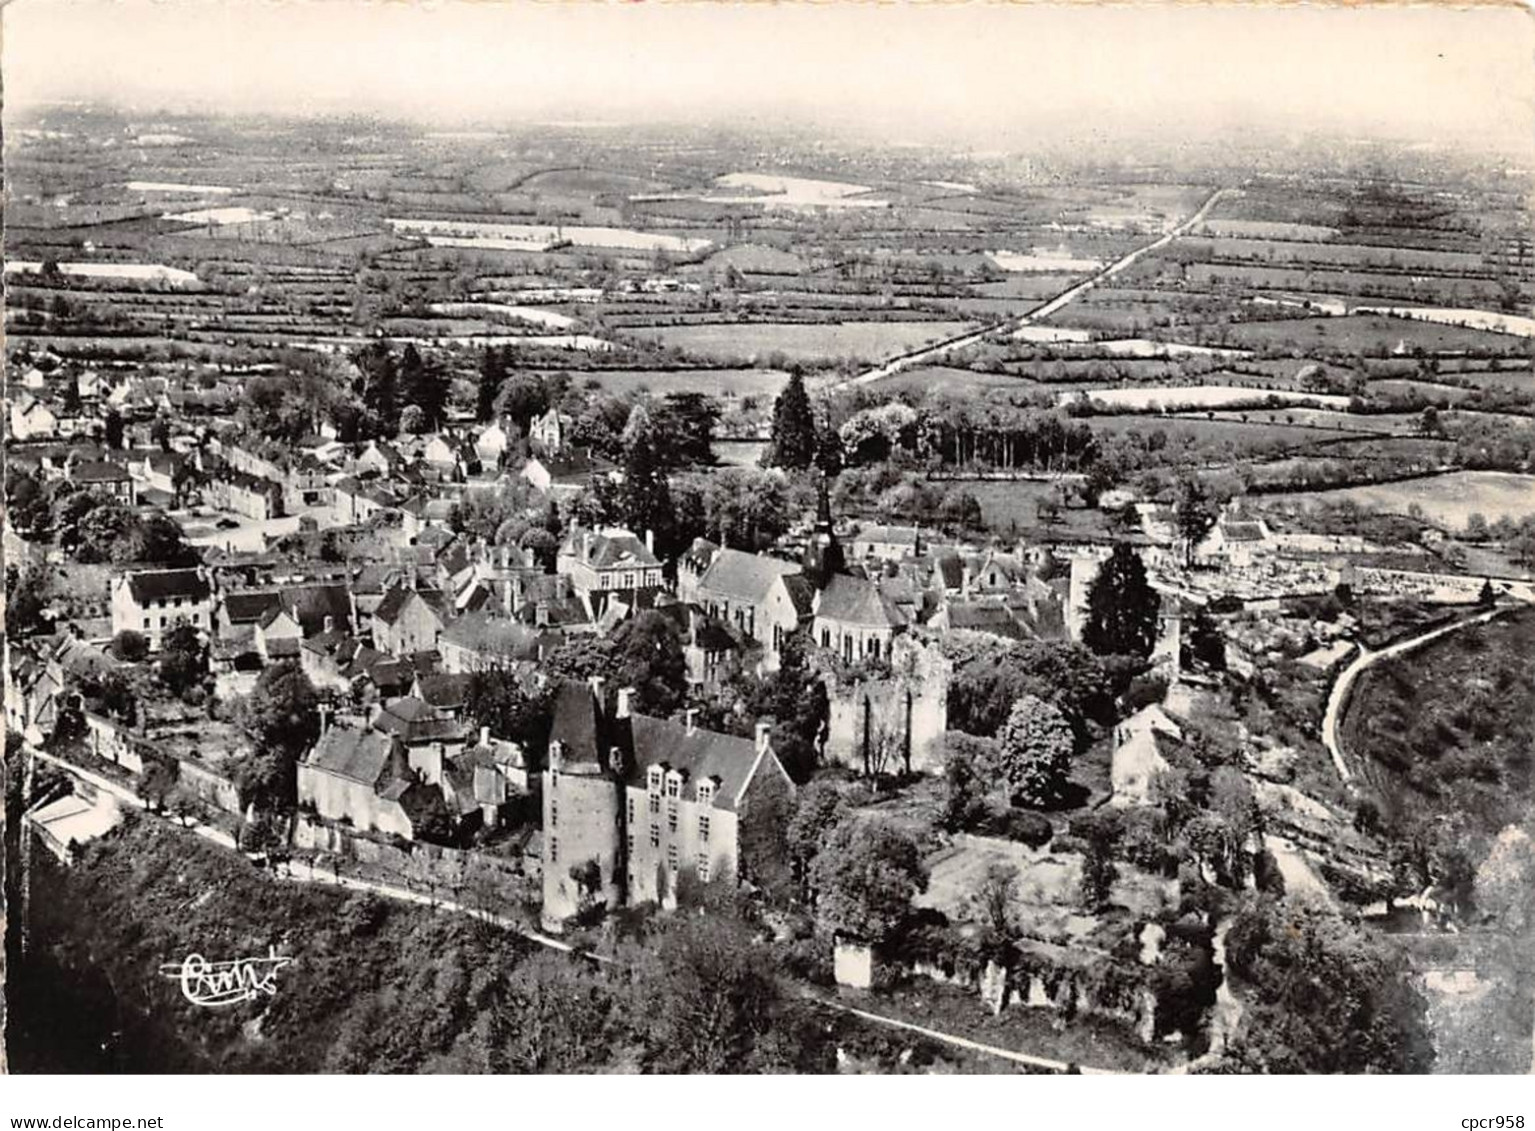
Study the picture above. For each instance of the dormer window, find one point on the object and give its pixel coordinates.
(674, 784)
(704, 792)
(653, 779)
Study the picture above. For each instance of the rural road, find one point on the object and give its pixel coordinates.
(126, 795)
(957, 1042)
(1337, 701)
(1076, 291)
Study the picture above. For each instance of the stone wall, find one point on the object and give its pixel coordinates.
(908, 707)
(474, 879)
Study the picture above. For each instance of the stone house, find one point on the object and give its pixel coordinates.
(247, 495)
(631, 804)
(102, 477)
(551, 431)
(1137, 759)
(32, 419)
(409, 620)
(359, 776)
(491, 444)
(886, 543)
(151, 602)
(609, 560)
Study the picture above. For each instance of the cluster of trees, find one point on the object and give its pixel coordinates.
(424, 992)
(93, 526)
(391, 396)
(1321, 995)
(281, 716)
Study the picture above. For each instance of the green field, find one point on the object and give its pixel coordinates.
(1370, 333)
(865, 341)
(1446, 500)
(730, 383)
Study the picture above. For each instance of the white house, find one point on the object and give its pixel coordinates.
(153, 601)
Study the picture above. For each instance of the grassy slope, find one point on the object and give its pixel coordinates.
(1449, 729)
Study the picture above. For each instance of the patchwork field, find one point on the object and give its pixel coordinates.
(865, 341)
(1447, 500)
(729, 383)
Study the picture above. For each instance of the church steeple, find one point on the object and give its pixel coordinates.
(823, 554)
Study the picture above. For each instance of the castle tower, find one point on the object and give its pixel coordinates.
(582, 808)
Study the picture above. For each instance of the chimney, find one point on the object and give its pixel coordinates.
(625, 695)
(964, 582)
(330, 623)
(764, 728)
(688, 719)
(484, 736)
(324, 717)
(586, 546)
(693, 628)
(541, 615)
(650, 541)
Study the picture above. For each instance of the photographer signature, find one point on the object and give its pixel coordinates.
(215, 984)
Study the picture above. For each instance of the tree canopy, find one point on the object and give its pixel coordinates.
(1121, 607)
(794, 432)
(1036, 748)
(1322, 995)
(865, 877)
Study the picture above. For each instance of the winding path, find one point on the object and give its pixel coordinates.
(1044, 310)
(1342, 688)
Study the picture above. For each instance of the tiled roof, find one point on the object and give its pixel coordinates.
(854, 600)
(614, 548)
(744, 577)
(97, 472)
(951, 571)
(1241, 531)
(990, 618)
(699, 754)
(412, 720)
(359, 755)
(442, 690)
(577, 725)
(161, 584)
(249, 606)
(894, 535)
(801, 593)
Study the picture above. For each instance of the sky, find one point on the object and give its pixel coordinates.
(918, 71)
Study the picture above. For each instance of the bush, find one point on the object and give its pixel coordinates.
(129, 646)
(1028, 828)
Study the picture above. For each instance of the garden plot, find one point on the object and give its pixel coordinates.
(1459, 316)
